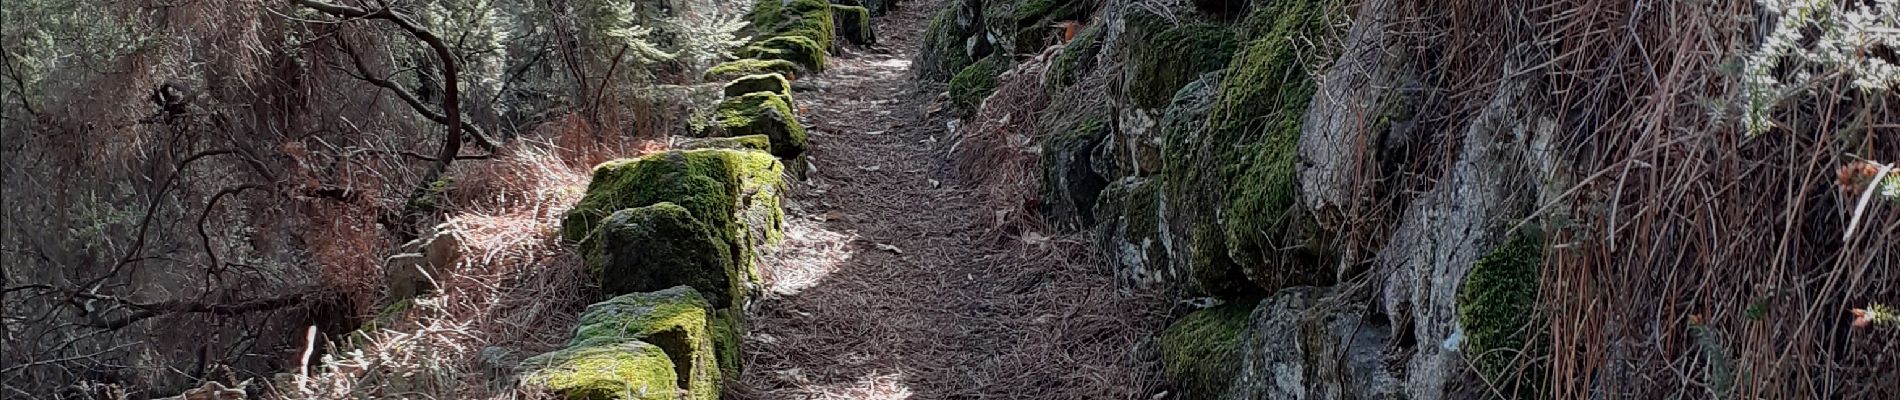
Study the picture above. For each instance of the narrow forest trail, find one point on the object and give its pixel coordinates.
(887, 286)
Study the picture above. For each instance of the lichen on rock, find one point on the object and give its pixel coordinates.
(605, 371)
(748, 142)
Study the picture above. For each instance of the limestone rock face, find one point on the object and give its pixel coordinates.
(1447, 230)
(1303, 343)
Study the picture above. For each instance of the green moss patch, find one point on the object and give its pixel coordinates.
(854, 24)
(943, 53)
(735, 193)
(1201, 352)
(1161, 63)
(768, 114)
(605, 371)
(677, 320)
(1497, 307)
(1075, 60)
(811, 19)
(975, 83)
(1069, 140)
(749, 142)
(769, 82)
(801, 50)
(663, 245)
(1242, 159)
(751, 66)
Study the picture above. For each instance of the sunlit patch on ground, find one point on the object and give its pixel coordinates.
(809, 253)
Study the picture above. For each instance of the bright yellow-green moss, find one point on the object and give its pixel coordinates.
(734, 192)
(975, 83)
(605, 371)
(1159, 63)
(748, 142)
(751, 66)
(854, 24)
(799, 50)
(811, 19)
(764, 113)
(767, 82)
(1243, 161)
(728, 329)
(677, 320)
(1497, 307)
(1201, 352)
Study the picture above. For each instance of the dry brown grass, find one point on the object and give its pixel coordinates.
(996, 152)
(1674, 214)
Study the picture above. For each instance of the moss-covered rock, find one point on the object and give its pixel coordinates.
(734, 192)
(1243, 159)
(1497, 307)
(1075, 60)
(605, 371)
(768, 82)
(751, 66)
(1201, 352)
(854, 24)
(677, 320)
(1027, 26)
(975, 83)
(768, 114)
(662, 245)
(811, 19)
(801, 50)
(1069, 146)
(749, 142)
(728, 330)
(1161, 63)
(952, 42)
(1130, 231)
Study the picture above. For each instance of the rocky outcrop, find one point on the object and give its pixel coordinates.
(1312, 343)
(1445, 232)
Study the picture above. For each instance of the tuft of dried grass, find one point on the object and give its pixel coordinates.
(996, 153)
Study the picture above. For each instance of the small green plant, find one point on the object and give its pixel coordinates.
(1813, 40)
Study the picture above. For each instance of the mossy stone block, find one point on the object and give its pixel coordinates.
(1161, 63)
(748, 142)
(751, 66)
(662, 245)
(854, 24)
(677, 320)
(768, 114)
(768, 82)
(605, 371)
(1201, 352)
(801, 50)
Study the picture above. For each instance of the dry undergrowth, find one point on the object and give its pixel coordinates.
(507, 297)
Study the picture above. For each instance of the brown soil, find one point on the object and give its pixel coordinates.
(890, 284)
